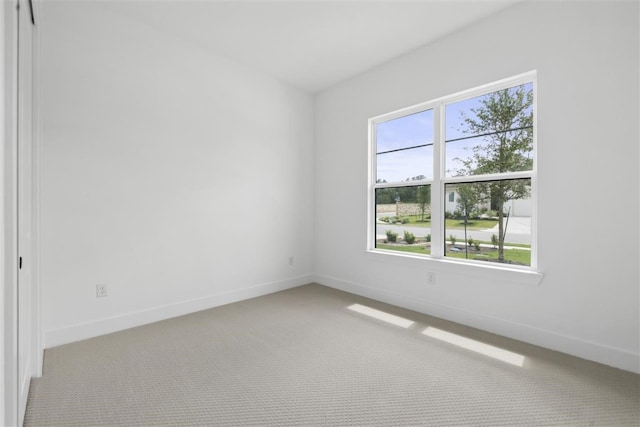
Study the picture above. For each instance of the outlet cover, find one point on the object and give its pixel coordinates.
(101, 291)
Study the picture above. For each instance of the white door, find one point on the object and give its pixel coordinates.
(25, 271)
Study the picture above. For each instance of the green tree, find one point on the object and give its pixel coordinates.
(424, 199)
(504, 119)
(384, 196)
(468, 199)
(406, 194)
(403, 194)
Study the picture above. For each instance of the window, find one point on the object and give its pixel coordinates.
(455, 177)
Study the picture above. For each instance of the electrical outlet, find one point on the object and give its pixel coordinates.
(101, 290)
(431, 278)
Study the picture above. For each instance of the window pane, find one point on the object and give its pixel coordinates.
(413, 164)
(407, 131)
(404, 148)
(403, 219)
(492, 133)
(475, 228)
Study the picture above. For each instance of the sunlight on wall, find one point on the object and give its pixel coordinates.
(478, 347)
(381, 315)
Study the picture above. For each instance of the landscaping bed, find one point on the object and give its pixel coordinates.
(487, 253)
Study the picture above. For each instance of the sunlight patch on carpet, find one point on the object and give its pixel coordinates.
(477, 346)
(381, 315)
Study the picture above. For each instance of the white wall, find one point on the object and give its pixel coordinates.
(586, 55)
(144, 136)
(180, 179)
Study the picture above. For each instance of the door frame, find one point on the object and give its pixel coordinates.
(12, 410)
(9, 213)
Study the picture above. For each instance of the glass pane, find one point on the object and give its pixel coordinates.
(413, 164)
(404, 148)
(403, 219)
(492, 133)
(404, 132)
(489, 221)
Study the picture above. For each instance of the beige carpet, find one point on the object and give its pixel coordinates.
(300, 357)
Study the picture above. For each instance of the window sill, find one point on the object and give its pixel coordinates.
(493, 272)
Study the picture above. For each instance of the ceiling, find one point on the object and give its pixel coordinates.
(310, 44)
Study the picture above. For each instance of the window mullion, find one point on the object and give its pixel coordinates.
(437, 211)
(487, 177)
(402, 184)
(373, 165)
(534, 180)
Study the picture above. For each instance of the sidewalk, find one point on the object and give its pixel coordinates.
(516, 225)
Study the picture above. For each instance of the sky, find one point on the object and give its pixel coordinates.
(407, 131)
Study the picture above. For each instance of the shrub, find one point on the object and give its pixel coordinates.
(404, 220)
(459, 213)
(452, 238)
(391, 236)
(409, 237)
(470, 241)
(428, 237)
(494, 241)
(476, 246)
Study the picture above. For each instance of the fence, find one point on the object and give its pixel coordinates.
(403, 209)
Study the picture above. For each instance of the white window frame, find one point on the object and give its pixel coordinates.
(439, 181)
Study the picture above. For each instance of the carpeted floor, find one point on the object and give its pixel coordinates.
(301, 357)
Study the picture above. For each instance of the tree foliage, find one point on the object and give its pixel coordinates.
(504, 119)
(468, 199)
(411, 194)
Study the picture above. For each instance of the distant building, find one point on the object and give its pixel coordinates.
(518, 207)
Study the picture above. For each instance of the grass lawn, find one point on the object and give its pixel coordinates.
(515, 245)
(477, 224)
(419, 249)
(514, 256)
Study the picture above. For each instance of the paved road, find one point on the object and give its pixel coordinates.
(517, 231)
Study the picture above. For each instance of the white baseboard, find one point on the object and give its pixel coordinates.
(604, 354)
(121, 322)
